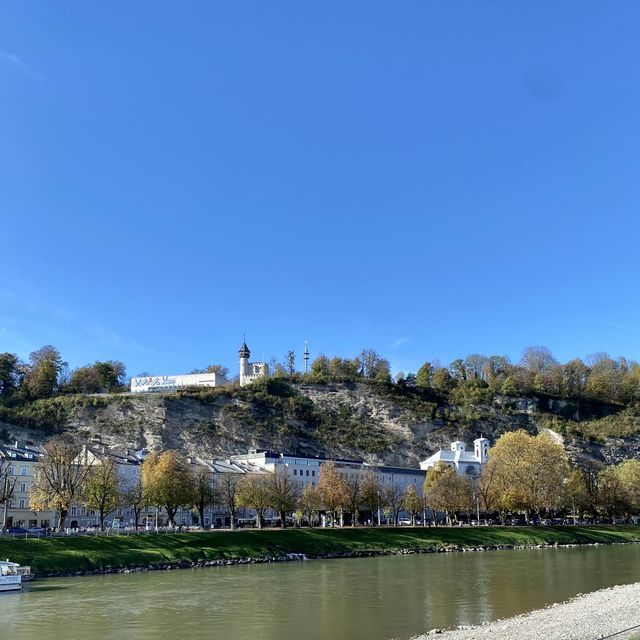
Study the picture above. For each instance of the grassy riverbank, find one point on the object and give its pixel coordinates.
(85, 553)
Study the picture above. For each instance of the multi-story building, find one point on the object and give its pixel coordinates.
(20, 460)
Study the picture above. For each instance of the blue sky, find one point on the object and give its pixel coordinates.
(429, 179)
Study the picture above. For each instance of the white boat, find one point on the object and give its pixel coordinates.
(12, 575)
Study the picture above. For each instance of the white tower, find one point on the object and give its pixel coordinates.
(481, 449)
(244, 354)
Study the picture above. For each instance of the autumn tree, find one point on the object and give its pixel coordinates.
(392, 498)
(102, 488)
(529, 472)
(412, 503)
(371, 492)
(311, 503)
(612, 496)
(204, 494)
(333, 490)
(168, 481)
(227, 494)
(85, 380)
(7, 488)
(285, 493)
(59, 477)
(374, 366)
(446, 491)
(45, 366)
(353, 482)
(255, 492)
(135, 497)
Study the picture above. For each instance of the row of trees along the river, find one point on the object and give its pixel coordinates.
(524, 475)
(469, 380)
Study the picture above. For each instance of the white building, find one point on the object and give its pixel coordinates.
(250, 371)
(170, 383)
(462, 461)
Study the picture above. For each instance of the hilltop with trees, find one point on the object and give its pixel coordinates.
(347, 407)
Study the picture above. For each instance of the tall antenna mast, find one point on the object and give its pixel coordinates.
(306, 357)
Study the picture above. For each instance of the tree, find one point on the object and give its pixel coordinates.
(7, 488)
(255, 492)
(446, 491)
(374, 366)
(371, 492)
(392, 498)
(112, 373)
(629, 474)
(285, 493)
(412, 503)
(59, 477)
(476, 366)
(311, 503)
(424, 375)
(102, 489)
(509, 387)
(45, 365)
(537, 359)
(86, 380)
(168, 481)
(333, 490)
(10, 374)
(529, 472)
(204, 494)
(291, 362)
(134, 496)
(227, 486)
(321, 367)
(611, 493)
(442, 381)
(353, 481)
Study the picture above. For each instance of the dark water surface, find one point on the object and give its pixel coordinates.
(369, 598)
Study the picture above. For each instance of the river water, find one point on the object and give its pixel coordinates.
(368, 598)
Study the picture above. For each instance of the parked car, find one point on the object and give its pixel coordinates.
(16, 530)
(40, 530)
(404, 521)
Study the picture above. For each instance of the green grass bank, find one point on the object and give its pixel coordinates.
(81, 554)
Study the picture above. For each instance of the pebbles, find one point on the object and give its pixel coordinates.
(585, 617)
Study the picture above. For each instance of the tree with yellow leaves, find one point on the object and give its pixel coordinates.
(333, 490)
(528, 473)
(168, 482)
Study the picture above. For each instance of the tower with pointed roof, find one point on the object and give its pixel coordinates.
(250, 371)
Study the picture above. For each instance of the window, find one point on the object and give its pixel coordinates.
(23, 471)
(22, 503)
(295, 472)
(74, 511)
(23, 487)
(307, 471)
(313, 473)
(12, 471)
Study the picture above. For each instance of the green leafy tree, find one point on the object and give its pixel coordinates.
(425, 375)
(45, 366)
(134, 496)
(10, 374)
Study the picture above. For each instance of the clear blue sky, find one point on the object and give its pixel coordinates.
(427, 178)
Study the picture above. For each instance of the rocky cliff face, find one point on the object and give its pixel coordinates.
(347, 420)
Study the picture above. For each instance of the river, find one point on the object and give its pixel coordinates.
(368, 598)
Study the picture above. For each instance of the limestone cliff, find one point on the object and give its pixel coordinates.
(379, 423)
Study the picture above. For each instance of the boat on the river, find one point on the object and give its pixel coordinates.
(12, 575)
